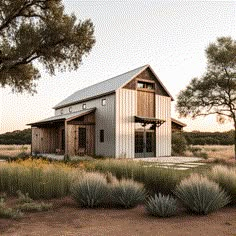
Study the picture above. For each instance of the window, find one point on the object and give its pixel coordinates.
(61, 111)
(104, 102)
(70, 109)
(145, 85)
(84, 106)
(102, 136)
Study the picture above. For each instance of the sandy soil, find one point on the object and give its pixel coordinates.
(67, 219)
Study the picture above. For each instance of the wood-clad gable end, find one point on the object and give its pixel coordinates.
(147, 86)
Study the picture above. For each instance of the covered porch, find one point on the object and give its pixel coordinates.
(69, 134)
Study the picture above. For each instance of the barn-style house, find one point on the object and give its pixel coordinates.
(126, 116)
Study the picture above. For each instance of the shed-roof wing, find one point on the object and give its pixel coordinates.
(63, 117)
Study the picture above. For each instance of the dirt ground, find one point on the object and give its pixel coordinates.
(67, 219)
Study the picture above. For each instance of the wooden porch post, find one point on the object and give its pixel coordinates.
(66, 142)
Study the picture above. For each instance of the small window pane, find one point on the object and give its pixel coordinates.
(102, 136)
(140, 85)
(104, 102)
(84, 106)
(150, 86)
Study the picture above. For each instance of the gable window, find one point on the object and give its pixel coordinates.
(104, 102)
(102, 136)
(145, 85)
(84, 106)
(70, 109)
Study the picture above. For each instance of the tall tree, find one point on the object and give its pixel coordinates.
(34, 32)
(215, 91)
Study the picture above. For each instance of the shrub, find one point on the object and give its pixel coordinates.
(23, 198)
(155, 179)
(226, 178)
(127, 193)
(91, 190)
(39, 178)
(178, 144)
(34, 206)
(162, 206)
(201, 195)
(6, 212)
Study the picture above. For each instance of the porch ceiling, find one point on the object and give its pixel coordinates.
(149, 120)
(62, 118)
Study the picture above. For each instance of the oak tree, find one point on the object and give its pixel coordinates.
(215, 91)
(38, 32)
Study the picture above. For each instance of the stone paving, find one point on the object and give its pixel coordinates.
(176, 163)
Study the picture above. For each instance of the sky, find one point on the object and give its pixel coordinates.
(170, 36)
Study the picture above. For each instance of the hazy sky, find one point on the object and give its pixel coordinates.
(171, 36)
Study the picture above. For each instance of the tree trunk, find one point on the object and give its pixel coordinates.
(235, 139)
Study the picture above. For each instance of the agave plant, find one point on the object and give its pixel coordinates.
(91, 190)
(162, 206)
(201, 195)
(127, 193)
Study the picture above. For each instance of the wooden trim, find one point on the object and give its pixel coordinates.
(145, 80)
(66, 141)
(83, 114)
(146, 90)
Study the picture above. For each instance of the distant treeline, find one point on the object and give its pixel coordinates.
(16, 137)
(193, 138)
(210, 138)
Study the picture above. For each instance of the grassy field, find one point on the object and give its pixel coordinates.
(217, 151)
(13, 150)
(213, 151)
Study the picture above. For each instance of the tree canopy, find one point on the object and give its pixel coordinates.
(34, 32)
(215, 91)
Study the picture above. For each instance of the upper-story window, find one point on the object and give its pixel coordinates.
(61, 111)
(84, 106)
(145, 85)
(104, 102)
(70, 109)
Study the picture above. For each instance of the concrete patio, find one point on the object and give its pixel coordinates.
(171, 159)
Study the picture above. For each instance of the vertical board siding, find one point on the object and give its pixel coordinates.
(126, 107)
(163, 133)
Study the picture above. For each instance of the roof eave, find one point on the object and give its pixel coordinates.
(84, 100)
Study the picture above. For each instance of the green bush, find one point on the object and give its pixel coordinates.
(6, 212)
(155, 179)
(178, 144)
(226, 178)
(91, 190)
(39, 179)
(127, 193)
(34, 206)
(201, 195)
(162, 206)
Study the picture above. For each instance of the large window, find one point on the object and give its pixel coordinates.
(145, 85)
(102, 135)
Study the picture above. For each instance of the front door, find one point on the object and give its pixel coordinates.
(144, 143)
(82, 141)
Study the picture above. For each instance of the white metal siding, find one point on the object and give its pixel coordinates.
(163, 133)
(125, 127)
(104, 119)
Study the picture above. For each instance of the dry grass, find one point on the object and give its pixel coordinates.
(14, 150)
(218, 151)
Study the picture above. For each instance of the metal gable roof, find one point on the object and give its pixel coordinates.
(104, 87)
(64, 116)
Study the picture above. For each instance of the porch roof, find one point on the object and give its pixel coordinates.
(149, 120)
(59, 118)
